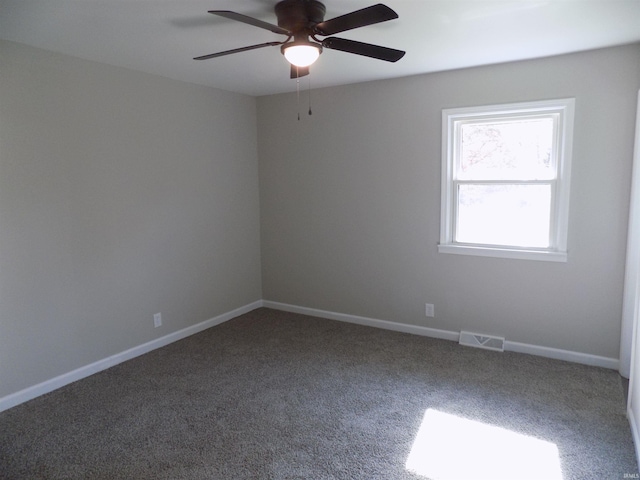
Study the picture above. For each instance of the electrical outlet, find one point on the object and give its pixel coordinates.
(157, 320)
(428, 310)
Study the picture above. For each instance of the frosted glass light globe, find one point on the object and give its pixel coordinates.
(301, 55)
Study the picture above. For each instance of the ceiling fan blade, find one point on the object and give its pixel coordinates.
(238, 50)
(297, 72)
(251, 21)
(360, 18)
(366, 49)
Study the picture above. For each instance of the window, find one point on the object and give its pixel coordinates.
(505, 180)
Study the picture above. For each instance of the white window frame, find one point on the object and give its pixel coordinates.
(452, 119)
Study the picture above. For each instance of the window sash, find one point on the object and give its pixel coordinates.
(551, 240)
(458, 139)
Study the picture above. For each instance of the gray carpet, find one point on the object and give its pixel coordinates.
(274, 395)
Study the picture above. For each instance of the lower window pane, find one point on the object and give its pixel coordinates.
(506, 215)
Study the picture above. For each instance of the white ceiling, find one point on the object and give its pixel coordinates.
(162, 36)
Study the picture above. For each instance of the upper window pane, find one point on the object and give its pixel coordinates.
(512, 149)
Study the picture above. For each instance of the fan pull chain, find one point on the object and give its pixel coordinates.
(298, 92)
(310, 113)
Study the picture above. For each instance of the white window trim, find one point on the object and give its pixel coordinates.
(557, 251)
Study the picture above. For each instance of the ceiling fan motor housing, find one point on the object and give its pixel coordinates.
(299, 16)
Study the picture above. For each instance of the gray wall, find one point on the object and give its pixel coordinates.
(121, 195)
(350, 201)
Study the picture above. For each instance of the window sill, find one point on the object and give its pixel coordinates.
(499, 252)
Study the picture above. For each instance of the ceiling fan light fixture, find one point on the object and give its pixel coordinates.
(301, 54)
(303, 20)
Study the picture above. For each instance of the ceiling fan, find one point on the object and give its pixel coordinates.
(302, 21)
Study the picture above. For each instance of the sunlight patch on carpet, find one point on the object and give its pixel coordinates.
(448, 447)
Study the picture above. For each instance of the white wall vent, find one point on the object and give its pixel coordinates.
(482, 341)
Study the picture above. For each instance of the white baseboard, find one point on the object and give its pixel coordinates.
(567, 355)
(60, 381)
(369, 322)
(635, 433)
(557, 354)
